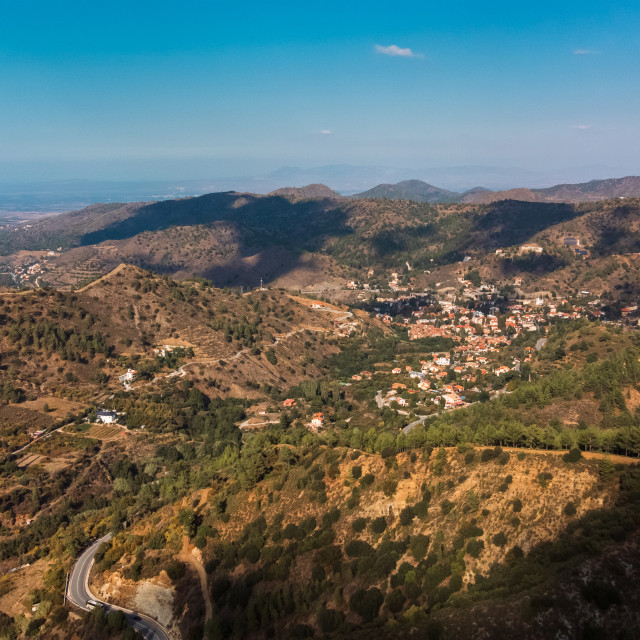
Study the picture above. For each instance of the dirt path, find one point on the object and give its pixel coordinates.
(192, 556)
(119, 268)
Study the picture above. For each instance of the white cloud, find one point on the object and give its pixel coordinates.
(584, 52)
(395, 51)
(581, 127)
(326, 132)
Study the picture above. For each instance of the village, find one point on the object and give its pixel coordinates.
(479, 359)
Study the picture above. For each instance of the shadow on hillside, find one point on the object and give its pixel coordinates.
(510, 222)
(275, 218)
(273, 232)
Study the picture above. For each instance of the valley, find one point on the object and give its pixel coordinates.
(297, 415)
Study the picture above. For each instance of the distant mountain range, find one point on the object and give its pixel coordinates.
(418, 191)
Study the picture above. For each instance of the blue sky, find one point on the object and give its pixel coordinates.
(211, 89)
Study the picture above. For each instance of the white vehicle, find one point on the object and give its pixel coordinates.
(93, 604)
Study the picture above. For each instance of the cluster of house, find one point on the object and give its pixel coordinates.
(570, 242)
(30, 266)
(317, 419)
(479, 339)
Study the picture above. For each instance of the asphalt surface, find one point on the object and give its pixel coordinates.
(77, 592)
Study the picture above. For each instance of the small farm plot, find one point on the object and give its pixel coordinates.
(105, 432)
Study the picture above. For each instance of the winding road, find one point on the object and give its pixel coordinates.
(77, 593)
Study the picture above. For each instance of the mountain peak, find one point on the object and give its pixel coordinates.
(310, 191)
(415, 190)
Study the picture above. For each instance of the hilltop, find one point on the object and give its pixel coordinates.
(628, 187)
(310, 191)
(79, 343)
(418, 191)
(414, 190)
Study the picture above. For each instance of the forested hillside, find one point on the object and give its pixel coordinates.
(239, 239)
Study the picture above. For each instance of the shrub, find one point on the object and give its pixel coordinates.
(491, 454)
(606, 468)
(389, 487)
(470, 530)
(395, 600)
(500, 539)
(292, 531)
(379, 525)
(176, 570)
(367, 480)
(366, 603)
(407, 515)
(573, 456)
(421, 509)
(359, 549)
(570, 509)
(474, 547)
(359, 524)
(544, 478)
(446, 507)
(356, 471)
(516, 505)
(419, 545)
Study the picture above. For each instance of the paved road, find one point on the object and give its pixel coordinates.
(77, 592)
(410, 427)
(540, 343)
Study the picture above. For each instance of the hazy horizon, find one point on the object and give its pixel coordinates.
(158, 92)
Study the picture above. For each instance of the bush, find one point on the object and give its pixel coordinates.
(395, 601)
(544, 478)
(419, 545)
(474, 547)
(500, 539)
(446, 507)
(407, 515)
(367, 480)
(516, 505)
(389, 487)
(570, 509)
(176, 570)
(359, 549)
(491, 454)
(359, 524)
(356, 471)
(606, 468)
(366, 603)
(470, 530)
(292, 531)
(421, 509)
(379, 525)
(573, 456)
(34, 626)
